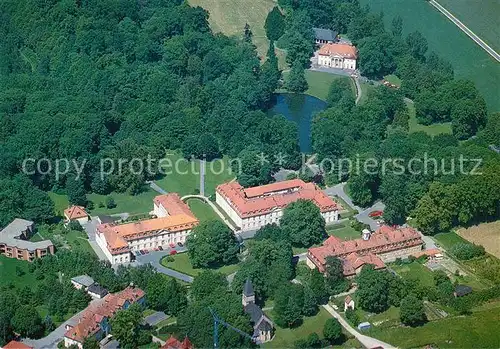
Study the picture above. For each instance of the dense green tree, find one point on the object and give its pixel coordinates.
(310, 306)
(271, 232)
(332, 330)
(412, 311)
(334, 275)
(247, 34)
(373, 290)
(125, 326)
(76, 191)
(302, 223)
(166, 295)
(397, 26)
(296, 80)
(318, 286)
(417, 44)
(274, 24)
(91, 343)
(206, 283)
(212, 243)
(27, 322)
(288, 304)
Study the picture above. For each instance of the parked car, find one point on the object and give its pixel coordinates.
(157, 249)
(146, 251)
(172, 252)
(160, 248)
(180, 244)
(141, 252)
(172, 245)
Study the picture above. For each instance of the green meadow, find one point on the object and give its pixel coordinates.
(468, 59)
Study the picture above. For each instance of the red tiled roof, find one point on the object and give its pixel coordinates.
(431, 253)
(16, 345)
(264, 199)
(343, 50)
(173, 204)
(385, 239)
(347, 299)
(174, 343)
(75, 212)
(354, 261)
(89, 322)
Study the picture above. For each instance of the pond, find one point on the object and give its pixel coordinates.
(300, 109)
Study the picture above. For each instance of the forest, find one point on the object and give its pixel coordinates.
(95, 79)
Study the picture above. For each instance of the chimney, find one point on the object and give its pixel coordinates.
(366, 234)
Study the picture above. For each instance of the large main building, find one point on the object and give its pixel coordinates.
(384, 245)
(252, 208)
(173, 224)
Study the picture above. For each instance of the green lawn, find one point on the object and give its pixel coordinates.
(448, 41)
(416, 271)
(343, 231)
(285, 337)
(60, 202)
(479, 330)
(133, 204)
(230, 16)
(36, 237)
(202, 210)
(480, 16)
(448, 240)
(78, 241)
(393, 79)
(431, 130)
(8, 273)
(320, 82)
(182, 264)
(183, 176)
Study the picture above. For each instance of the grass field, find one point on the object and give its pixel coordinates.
(285, 337)
(449, 42)
(133, 204)
(230, 16)
(202, 210)
(479, 330)
(343, 231)
(182, 264)
(319, 83)
(431, 130)
(8, 273)
(415, 271)
(60, 202)
(393, 79)
(480, 16)
(448, 240)
(485, 234)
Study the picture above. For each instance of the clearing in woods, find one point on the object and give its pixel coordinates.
(485, 234)
(230, 16)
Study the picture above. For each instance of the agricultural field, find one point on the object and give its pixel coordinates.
(230, 16)
(449, 42)
(480, 16)
(485, 234)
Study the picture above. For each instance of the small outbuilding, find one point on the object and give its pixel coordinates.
(462, 290)
(324, 36)
(76, 213)
(97, 291)
(82, 281)
(348, 303)
(364, 326)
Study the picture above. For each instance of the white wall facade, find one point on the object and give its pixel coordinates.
(69, 342)
(258, 221)
(159, 211)
(337, 62)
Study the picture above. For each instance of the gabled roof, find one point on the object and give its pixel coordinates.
(248, 288)
(98, 289)
(84, 280)
(324, 34)
(16, 345)
(462, 290)
(342, 50)
(347, 299)
(75, 212)
(174, 343)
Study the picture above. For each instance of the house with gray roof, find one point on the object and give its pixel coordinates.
(15, 243)
(263, 326)
(324, 36)
(82, 281)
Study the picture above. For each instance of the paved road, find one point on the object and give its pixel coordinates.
(368, 342)
(466, 30)
(359, 91)
(202, 177)
(154, 258)
(54, 337)
(362, 216)
(157, 188)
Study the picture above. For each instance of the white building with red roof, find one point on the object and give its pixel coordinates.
(76, 213)
(336, 55)
(384, 245)
(252, 208)
(173, 223)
